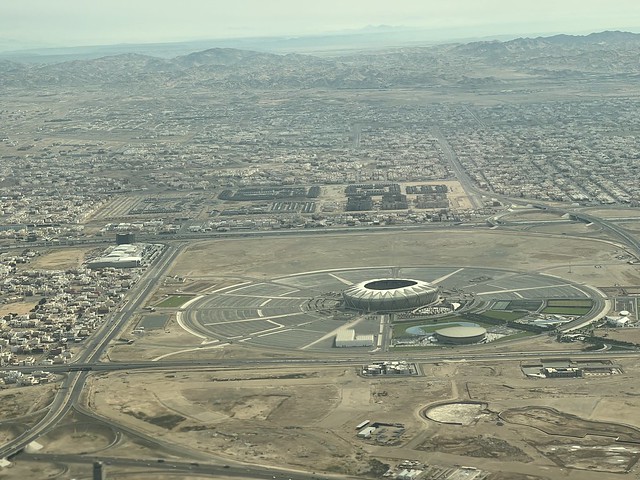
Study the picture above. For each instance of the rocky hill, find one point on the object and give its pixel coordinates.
(560, 56)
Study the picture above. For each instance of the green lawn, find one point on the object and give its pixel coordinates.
(503, 315)
(174, 301)
(522, 334)
(530, 305)
(567, 310)
(570, 302)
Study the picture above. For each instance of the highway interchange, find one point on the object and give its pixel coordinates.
(71, 387)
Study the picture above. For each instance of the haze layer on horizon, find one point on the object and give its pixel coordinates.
(47, 23)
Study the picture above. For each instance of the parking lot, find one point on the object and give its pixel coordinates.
(300, 311)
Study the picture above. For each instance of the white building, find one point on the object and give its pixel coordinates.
(618, 321)
(366, 432)
(346, 337)
(122, 256)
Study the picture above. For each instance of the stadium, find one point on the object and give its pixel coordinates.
(389, 295)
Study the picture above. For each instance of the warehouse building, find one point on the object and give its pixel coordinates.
(347, 337)
(121, 256)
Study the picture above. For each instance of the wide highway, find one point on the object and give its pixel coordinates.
(475, 195)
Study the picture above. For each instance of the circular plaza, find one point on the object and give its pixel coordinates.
(306, 310)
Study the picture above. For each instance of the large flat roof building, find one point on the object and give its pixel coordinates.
(347, 337)
(122, 256)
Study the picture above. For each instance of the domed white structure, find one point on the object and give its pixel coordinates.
(461, 335)
(389, 295)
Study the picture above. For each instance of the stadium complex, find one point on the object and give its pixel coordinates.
(389, 295)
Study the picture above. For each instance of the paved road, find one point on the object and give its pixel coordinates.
(627, 238)
(189, 468)
(71, 387)
(475, 195)
(187, 236)
(346, 359)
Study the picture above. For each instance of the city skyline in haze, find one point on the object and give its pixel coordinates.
(68, 23)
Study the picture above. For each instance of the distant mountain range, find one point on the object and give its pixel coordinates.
(368, 38)
(605, 53)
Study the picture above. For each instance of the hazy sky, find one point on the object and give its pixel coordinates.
(90, 22)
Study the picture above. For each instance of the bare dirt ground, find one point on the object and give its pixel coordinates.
(633, 227)
(305, 417)
(527, 215)
(78, 438)
(257, 258)
(623, 334)
(615, 212)
(576, 229)
(60, 259)
(20, 401)
(26, 469)
(21, 408)
(457, 196)
(17, 307)
(265, 416)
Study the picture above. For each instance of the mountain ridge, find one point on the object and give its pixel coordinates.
(609, 52)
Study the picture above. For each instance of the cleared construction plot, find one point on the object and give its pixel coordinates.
(482, 415)
(457, 413)
(60, 259)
